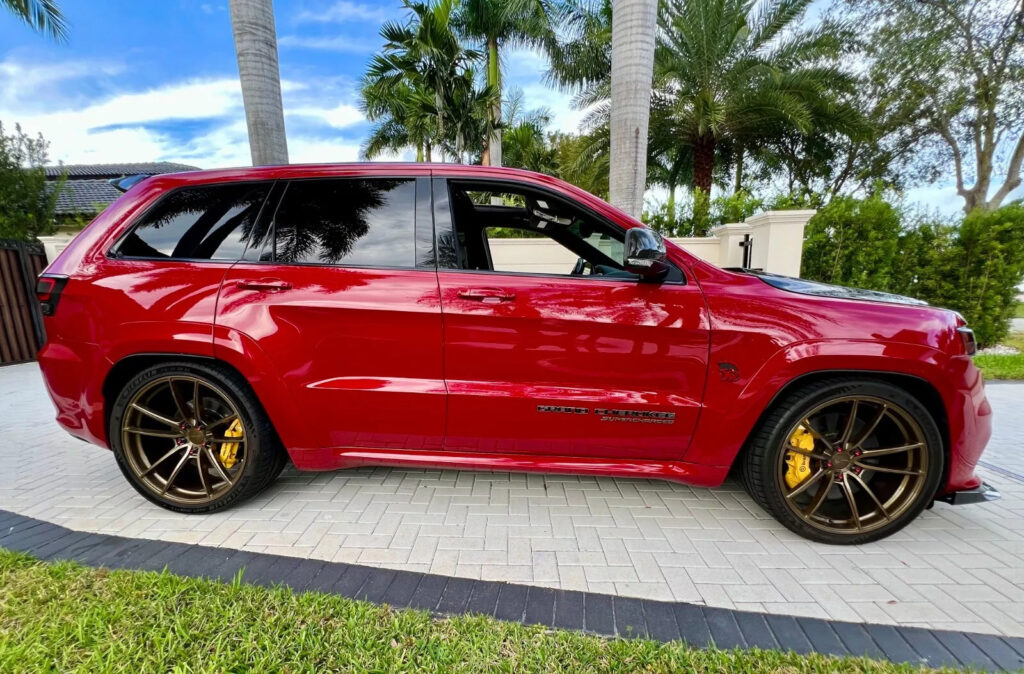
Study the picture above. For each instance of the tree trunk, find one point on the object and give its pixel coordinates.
(429, 158)
(419, 152)
(703, 162)
(634, 24)
(493, 153)
(671, 207)
(739, 170)
(252, 22)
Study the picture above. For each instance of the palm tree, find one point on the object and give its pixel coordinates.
(404, 116)
(252, 22)
(42, 15)
(426, 53)
(497, 24)
(633, 29)
(729, 73)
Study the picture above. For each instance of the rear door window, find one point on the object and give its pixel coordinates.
(358, 222)
(209, 222)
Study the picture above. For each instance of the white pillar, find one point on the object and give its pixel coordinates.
(53, 245)
(778, 240)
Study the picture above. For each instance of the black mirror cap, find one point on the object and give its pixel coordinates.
(645, 255)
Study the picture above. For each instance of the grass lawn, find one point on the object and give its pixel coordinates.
(1004, 367)
(64, 617)
(1019, 311)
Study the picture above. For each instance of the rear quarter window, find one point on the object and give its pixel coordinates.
(209, 222)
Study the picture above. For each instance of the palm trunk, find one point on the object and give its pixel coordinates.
(419, 152)
(252, 22)
(738, 186)
(634, 24)
(671, 206)
(493, 153)
(429, 158)
(703, 162)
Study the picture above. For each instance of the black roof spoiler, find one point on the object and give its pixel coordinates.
(127, 182)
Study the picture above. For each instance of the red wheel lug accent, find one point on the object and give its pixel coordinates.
(829, 464)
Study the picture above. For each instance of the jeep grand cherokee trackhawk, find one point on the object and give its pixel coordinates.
(209, 326)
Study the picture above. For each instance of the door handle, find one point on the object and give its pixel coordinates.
(487, 295)
(270, 285)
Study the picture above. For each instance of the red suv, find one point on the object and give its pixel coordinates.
(209, 326)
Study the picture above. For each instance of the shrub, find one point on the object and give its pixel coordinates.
(26, 207)
(973, 267)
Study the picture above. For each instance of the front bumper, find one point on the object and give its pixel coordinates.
(983, 493)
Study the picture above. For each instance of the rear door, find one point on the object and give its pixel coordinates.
(342, 312)
(561, 352)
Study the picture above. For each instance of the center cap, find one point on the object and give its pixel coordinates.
(195, 436)
(841, 460)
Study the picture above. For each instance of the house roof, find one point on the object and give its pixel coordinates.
(87, 171)
(87, 189)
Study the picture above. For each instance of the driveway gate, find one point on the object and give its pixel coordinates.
(21, 325)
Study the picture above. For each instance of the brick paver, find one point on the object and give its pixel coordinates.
(955, 568)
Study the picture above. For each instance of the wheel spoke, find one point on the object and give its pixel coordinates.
(894, 471)
(868, 453)
(225, 440)
(854, 514)
(174, 474)
(169, 454)
(808, 483)
(819, 498)
(152, 432)
(202, 474)
(195, 403)
(870, 428)
(221, 421)
(848, 431)
(216, 464)
(817, 436)
(178, 401)
(153, 415)
(866, 488)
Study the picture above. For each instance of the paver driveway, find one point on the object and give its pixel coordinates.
(955, 568)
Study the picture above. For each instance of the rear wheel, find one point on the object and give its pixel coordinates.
(193, 437)
(845, 461)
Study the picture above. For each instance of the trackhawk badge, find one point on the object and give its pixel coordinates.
(605, 414)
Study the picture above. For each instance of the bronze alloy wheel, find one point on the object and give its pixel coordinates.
(853, 465)
(184, 440)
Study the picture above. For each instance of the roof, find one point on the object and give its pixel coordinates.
(88, 189)
(84, 196)
(90, 171)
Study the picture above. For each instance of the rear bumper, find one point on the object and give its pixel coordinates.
(983, 493)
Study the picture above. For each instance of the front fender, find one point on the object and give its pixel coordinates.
(732, 408)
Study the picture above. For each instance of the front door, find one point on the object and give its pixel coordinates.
(557, 350)
(335, 305)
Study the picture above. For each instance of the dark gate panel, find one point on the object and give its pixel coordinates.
(21, 325)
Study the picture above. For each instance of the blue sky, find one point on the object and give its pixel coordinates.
(157, 80)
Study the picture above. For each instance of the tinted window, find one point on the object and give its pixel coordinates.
(348, 221)
(213, 222)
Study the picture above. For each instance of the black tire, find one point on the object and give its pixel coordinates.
(265, 458)
(763, 478)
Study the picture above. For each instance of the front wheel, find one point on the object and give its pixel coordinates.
(845, 461)
(193, 437)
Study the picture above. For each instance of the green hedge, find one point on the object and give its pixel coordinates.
(973, 266)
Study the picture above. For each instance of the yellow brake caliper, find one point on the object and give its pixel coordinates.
(799, 464)
(229, 450)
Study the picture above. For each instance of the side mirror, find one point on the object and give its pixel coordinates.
(644, 254)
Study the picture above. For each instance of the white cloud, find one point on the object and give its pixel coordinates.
(345, 11)
(144, 125)
(339, 43)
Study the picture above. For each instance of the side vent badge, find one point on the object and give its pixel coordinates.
(728, 372)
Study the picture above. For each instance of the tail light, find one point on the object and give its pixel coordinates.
(48, 290)
(967, 337)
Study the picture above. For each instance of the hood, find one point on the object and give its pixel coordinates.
(805, 287)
